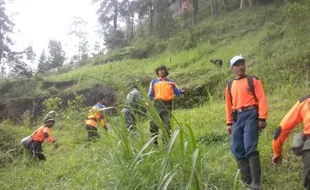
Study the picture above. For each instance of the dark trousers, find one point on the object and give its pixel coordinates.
(245, 133)
(164, 109)
(306, 175)
(35, 148)
(92, 132)
(129, 118)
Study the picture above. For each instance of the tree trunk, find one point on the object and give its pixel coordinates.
(151, 16)
(243, 4)
(1, 46)
(279, 3)
(250, 2)
(214, 8)
(132, 26)
(115, 16)
(226, 5)
(195, 6)
(194, 11)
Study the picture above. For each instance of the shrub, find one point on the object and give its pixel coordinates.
(53, 104)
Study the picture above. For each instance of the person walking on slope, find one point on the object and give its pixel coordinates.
(133, 102)
(162, 91)
(95, 119)
(246, 113)
(300, 112)
(33, 143)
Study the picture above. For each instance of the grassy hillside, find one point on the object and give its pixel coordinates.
(276, 44)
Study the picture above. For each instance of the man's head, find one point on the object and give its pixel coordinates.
(162, 71)
(237, 64)
(49, 119)
(49, 122)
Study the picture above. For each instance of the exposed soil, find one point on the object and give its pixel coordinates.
(14, 108)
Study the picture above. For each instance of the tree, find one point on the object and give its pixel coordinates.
(115, 39)
(245, 3)
(97, 49)
(56, 56)
(214, 8)
(189, 8)
(19, 67)
(77, 29)
(127, 11)
(163, 21)
(108, 12)
(15, 61)
(42, 65)
(226, 5)
(145, 8)
(18, 63)
(84, 50)
(6, 28)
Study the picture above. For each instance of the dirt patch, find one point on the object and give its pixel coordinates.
(59, 85)
(14, 108)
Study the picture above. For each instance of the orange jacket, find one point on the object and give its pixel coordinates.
(163, 89)
(95, 117)
(242, 98)
(41, 134)
(298, 113)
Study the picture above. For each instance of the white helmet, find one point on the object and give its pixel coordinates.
(235, 59)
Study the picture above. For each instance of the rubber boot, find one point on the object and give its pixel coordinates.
(244, 167)
(255, 172)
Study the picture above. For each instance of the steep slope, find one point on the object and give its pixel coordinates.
(276, 44)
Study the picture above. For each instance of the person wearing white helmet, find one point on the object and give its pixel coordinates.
(33, 143)
(246, 114)
(95, 119)
(133, 107)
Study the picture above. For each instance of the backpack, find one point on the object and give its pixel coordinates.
(133, 97)
(250, 84)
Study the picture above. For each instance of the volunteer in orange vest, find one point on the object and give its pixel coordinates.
(162, 91)
(38, 137)
(300, 112)
(246, 113)
(95, 119)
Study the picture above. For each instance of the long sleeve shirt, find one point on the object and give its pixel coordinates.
(41, 134)
(300, 112)
(163, 89)
(242, 97)
(95, 116)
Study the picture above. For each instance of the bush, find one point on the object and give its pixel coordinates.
(161, 46)
(53, 104)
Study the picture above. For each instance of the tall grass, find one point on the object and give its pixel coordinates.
(197, 154)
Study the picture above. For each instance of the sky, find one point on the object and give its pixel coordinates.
(37, 21)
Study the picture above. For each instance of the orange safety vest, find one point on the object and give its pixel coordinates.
(41, 134)
(241, 96)
(95, 117)
(163, 89)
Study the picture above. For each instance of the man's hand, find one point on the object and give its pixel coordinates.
(183, 89)
(261, 124)
(229, 128)
(147, 104)
(276, 159)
